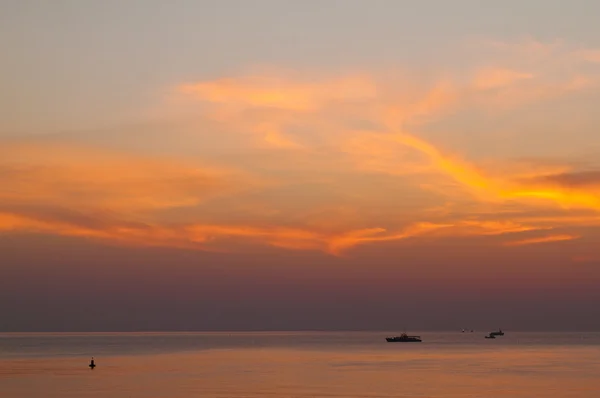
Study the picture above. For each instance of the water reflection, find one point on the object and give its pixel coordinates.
(315, 367)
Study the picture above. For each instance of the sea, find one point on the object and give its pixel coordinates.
(299, 365)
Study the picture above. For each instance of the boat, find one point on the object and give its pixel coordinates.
(403, 338)
(498, 333)
(491, 336)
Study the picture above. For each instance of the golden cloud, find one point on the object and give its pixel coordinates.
(342, 127)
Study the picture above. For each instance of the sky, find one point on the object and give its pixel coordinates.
(287, 165)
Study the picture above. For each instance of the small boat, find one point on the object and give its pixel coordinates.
(404, 338)
(491, 336)
(498, 333)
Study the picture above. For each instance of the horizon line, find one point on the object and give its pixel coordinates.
(223, 331)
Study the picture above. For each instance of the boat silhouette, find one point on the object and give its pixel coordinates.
(404, 338)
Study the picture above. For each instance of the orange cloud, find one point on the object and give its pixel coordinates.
(189, 236)
(197, 236)
(82, 192)
(274, 136)
(281, 93)
(543, 239)
(467, 228)
(122, 233)
(83, 177)
(491, 78)
(349, 239)
(459, 170)
(283, 108)
(203, 236)
(329, 131)
(565, 198)
(487, 227)
(499, 188)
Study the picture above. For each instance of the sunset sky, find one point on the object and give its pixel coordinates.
(219, 165)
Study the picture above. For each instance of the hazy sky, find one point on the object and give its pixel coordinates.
(299, 164)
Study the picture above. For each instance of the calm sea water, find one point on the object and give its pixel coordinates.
(286, 365)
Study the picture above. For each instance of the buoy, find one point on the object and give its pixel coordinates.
(92, 364)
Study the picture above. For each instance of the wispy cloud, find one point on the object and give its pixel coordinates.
(281, 92)
(346, 129)
(491, 78)
(109, 227)
(543, 239)
(84, 177)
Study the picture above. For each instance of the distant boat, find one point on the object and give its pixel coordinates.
(498, 333)
(491, 336)
(404, 338)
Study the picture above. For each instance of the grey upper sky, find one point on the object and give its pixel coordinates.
(70, 64)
